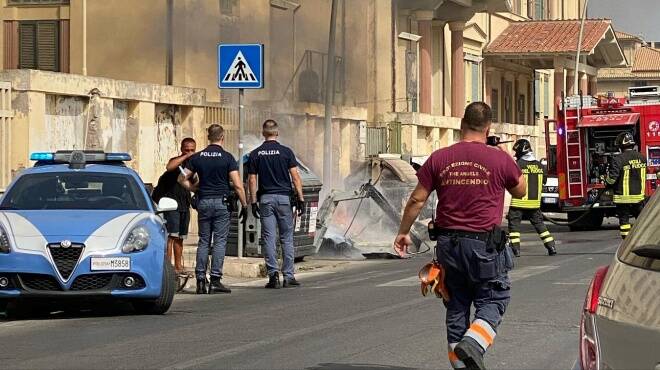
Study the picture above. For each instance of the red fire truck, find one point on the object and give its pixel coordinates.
(585, 131)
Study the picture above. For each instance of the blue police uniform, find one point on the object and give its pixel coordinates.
(271, 163)
(213, 166)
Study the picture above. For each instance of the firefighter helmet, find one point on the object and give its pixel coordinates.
(522, 147)
(624, 140)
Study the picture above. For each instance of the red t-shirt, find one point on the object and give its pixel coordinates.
(470, 179)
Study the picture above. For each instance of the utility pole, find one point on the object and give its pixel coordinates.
(329, 97)
(576, 87)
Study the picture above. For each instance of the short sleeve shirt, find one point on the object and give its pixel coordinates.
(213, 166)
(168, 186)
(470, 179)
(271, 162)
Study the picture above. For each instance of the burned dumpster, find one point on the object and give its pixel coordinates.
(305, 225)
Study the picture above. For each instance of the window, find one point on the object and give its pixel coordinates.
(75, 190)
(38, 45)
(520, 104)
(537, 9)
(227, 6)
(645, 235)
(495, 104)
(508, 101)
(537, 94)
(37, 2)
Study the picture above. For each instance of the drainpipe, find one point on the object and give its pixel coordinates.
(169, 70)
(84, 35)
(329, 94)
(394, 16)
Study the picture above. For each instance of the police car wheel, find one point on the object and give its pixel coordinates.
(161, 304)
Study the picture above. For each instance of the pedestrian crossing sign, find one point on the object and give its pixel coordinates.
(240, 66)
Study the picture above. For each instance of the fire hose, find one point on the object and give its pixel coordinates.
(585, 214)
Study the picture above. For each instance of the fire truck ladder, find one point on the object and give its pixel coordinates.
(573, 140)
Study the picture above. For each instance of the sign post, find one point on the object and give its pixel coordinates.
(240, 66)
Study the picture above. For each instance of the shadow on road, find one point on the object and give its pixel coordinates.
(357, 367)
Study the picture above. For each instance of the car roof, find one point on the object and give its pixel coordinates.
(92, 168)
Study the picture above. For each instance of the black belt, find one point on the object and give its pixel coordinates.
(482, 236)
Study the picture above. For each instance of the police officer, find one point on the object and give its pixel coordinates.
(469, 178)
(627, 175)
(529, 206)
(274, 167)
(215, 168)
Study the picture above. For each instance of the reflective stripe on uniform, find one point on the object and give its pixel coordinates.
(624, 233)
(628, 199)
(544, 234)
(548, 240)
(453, 358)
(625, 227)
(626, 182)
(514, 234)
(526, 204)
(515, 240)
(482, 332)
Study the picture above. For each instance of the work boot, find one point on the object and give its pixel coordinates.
(290, 283)
(551, 250)
(201, 286)
(516, 251)
(273, 281)
(217, 286)
(469, 351)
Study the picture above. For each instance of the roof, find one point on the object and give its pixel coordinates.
(556, 36)
(646, 66)
(646, 60)
(96, 168)
(627, 36)
(626, 73)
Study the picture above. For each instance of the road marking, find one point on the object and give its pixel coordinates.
(523, 273)
(200, 361)
(514, 275)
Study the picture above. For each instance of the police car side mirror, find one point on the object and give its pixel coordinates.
(166, 204)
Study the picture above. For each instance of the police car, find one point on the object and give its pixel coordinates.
(80, 226)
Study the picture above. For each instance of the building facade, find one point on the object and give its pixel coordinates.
(405, 69)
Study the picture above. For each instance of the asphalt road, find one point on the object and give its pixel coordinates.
(369, 316)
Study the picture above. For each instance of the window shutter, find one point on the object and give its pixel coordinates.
(27, 56)
(537, 94)
(47, 45)
(475, 82)
(546, 97)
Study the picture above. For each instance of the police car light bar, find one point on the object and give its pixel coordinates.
(89, 156)
(42, 157)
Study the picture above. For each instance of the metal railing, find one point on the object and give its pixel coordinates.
(227, 117)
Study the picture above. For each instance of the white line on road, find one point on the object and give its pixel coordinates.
(523, 273)
(514, 275)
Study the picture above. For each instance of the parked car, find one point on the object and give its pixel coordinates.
(79, 227)
(550, 195)
(620, 326)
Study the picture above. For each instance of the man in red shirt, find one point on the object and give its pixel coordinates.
(470, 179)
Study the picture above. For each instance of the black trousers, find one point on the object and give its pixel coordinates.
(624, 211)
(535, 217)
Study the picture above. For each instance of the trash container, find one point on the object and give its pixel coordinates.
(305, 225)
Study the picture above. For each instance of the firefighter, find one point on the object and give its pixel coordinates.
(627, 175)
(470, 179)
(529, 206)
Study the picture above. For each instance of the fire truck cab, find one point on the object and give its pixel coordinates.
(586, 129)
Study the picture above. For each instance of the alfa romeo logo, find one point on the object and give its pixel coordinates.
(65, 243)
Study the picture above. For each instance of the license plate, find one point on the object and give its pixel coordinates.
(550, 200)
(110, 263)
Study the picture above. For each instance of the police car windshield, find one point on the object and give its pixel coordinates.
(74, 190)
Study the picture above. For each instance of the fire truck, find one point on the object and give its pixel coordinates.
(585, 131)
